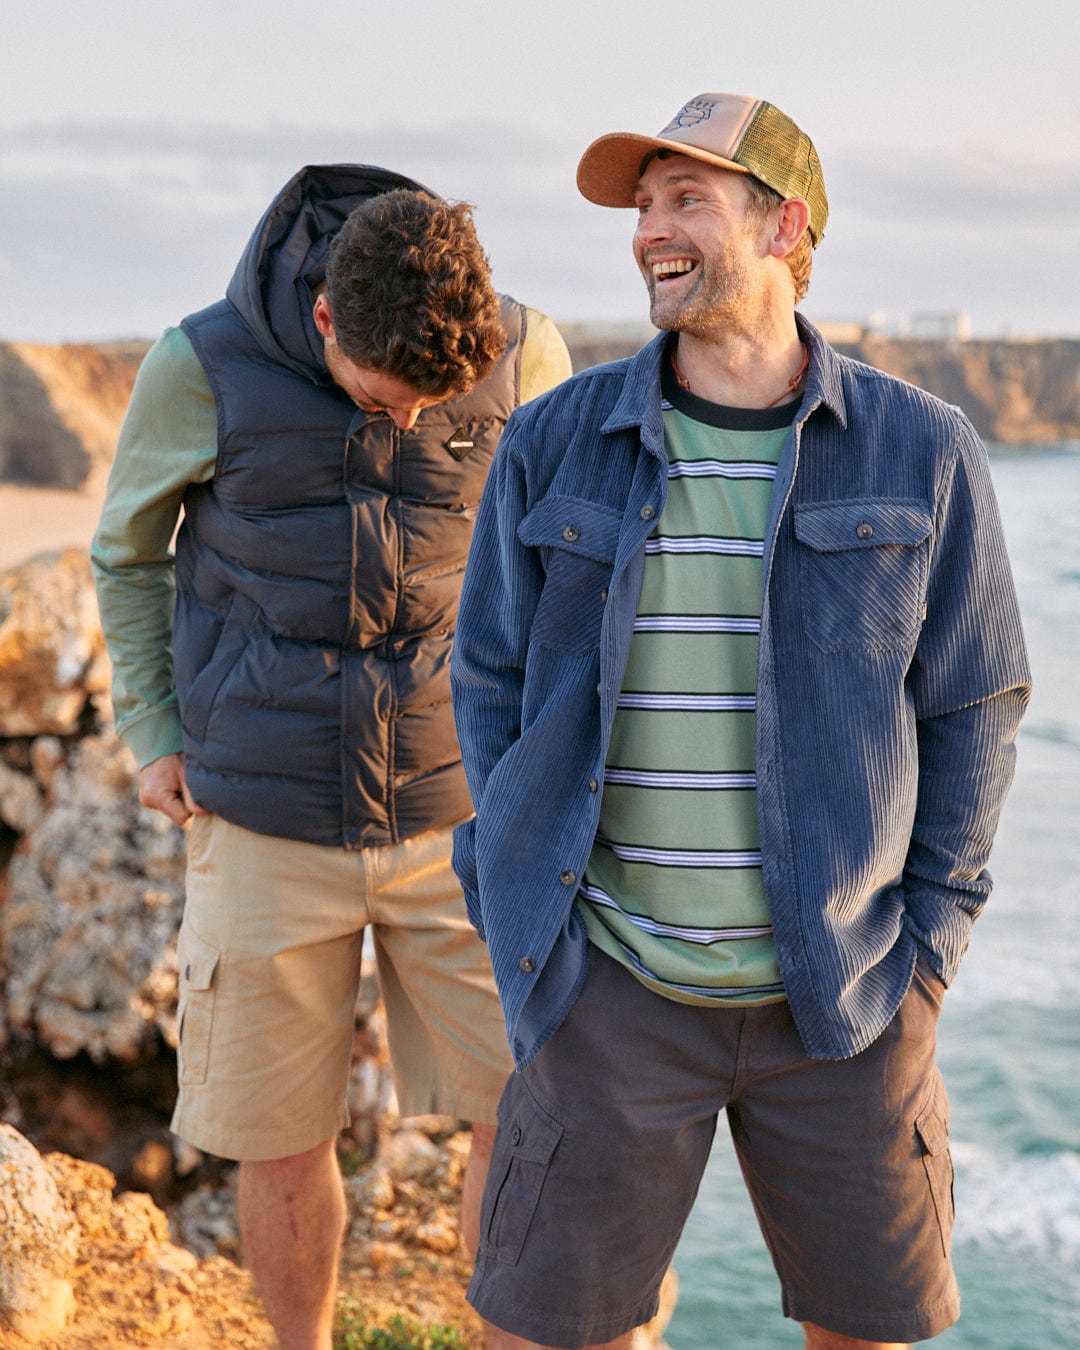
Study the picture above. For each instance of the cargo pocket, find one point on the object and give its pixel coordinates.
(862, 572)
(196, 963)
(527, 1140)
(932, 1132)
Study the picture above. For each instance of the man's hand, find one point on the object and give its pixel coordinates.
(163, 787)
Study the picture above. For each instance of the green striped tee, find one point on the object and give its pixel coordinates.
(673, 887)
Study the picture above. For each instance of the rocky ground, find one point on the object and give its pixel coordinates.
(97, 1268)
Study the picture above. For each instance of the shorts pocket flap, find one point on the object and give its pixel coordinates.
(533, 1133)
(197, 961)
(832, 527)
(933, 1130)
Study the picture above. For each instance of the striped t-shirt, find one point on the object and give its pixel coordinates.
(673, 887)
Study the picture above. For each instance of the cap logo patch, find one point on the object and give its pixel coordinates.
(692, 114)
(460, 444)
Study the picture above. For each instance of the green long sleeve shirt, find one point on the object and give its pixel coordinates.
(168, 441)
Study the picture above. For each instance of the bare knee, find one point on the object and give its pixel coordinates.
(817, 1338)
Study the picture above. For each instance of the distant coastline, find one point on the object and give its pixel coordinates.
(61, 407)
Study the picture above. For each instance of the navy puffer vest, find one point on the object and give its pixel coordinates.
(317, 589)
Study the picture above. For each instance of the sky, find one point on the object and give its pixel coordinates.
(140, 144)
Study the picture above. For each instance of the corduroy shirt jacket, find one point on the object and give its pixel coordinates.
(892, 677)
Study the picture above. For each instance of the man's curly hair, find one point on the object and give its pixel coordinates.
(410, 293)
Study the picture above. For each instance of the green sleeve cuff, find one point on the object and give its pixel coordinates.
(153, 732)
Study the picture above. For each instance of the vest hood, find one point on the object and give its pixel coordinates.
(273, 287)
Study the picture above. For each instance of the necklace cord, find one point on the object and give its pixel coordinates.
(789, 388)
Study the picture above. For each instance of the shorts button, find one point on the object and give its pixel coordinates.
(527, 964)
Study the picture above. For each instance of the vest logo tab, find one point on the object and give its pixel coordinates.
(460, 444)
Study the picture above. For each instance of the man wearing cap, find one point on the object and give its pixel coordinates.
(737, 678)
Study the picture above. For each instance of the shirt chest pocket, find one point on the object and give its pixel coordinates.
(576, 539)
(862, 572)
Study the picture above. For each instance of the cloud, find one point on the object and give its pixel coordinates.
(114, 228)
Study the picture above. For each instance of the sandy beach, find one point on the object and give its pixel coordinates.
(37, 520)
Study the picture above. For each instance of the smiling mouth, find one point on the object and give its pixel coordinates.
(668, 268)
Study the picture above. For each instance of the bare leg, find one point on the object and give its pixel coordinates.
(817, 1338)
(292, 1220)
(472, 1184)
(502, 1340)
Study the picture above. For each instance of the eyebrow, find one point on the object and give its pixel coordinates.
(677, 176)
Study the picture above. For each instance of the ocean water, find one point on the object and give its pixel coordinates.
(1010, 1030)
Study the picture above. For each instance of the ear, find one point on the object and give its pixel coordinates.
(792, 220)
(321, 314)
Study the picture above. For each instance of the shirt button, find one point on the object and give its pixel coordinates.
(568, 878)
(647, 512)
(865, 531)
(603, 595)
(187, 972)
(515, 1135)
(599, 691)
(570, 533)
(527, 964)
(593, 785)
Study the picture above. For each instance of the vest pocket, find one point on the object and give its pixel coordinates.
(862, 572)
(197, 965)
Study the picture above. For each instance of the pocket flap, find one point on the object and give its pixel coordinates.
(532, 1132)
(831, 527)
(574, 524)
(196, 961)
(933, 1130)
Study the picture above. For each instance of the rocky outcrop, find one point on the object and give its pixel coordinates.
(52, 654)
(61, 408)
(38, 1243)
(1014, 392)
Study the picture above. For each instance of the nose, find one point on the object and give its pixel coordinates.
(403, 418)
(653, 224)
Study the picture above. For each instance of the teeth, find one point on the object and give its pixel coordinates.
(672, 267)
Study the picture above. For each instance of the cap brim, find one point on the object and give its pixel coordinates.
(611, 167)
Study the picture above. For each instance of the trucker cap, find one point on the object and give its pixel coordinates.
(731, 131)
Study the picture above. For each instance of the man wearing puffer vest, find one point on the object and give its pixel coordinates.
(323, 434)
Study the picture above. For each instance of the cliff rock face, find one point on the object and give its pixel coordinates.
(1012, 391)
(61, 408)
